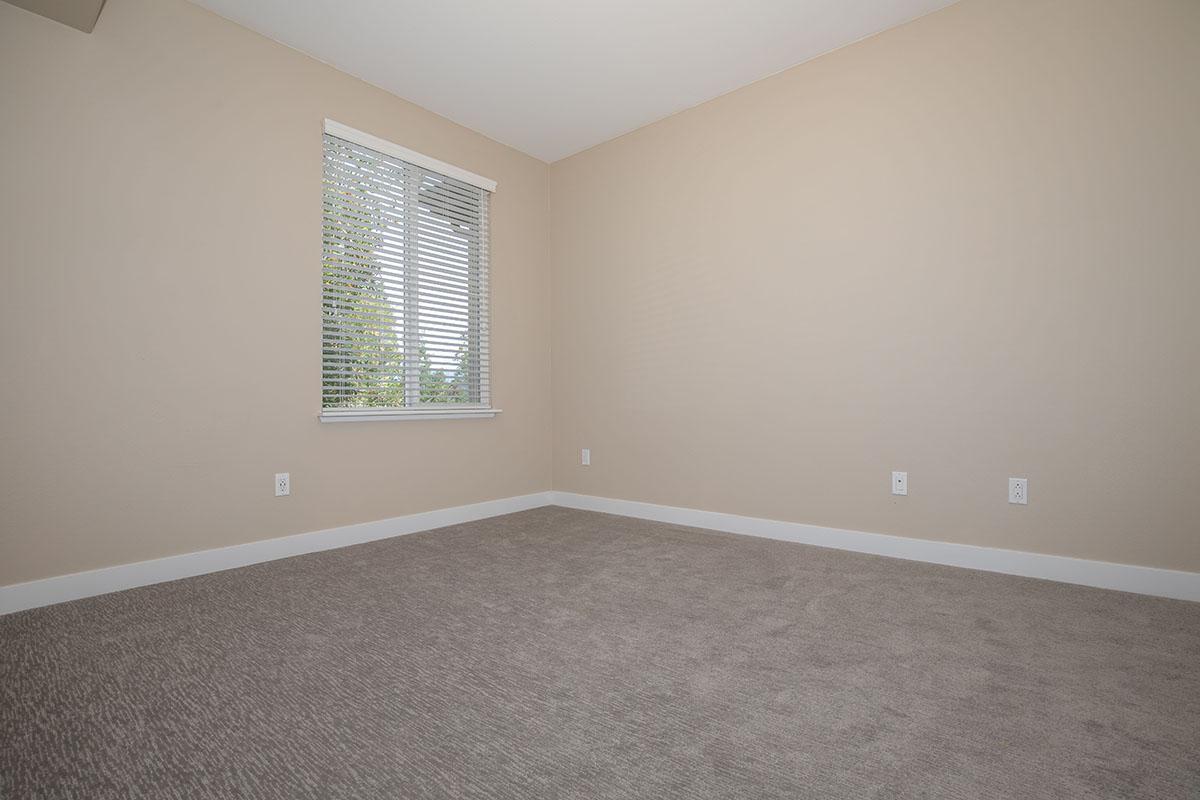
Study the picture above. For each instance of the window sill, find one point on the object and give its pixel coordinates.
(390, 414)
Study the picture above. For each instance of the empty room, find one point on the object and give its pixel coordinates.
(604, 400)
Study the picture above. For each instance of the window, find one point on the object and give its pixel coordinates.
(405, 283)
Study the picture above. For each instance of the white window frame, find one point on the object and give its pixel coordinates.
(358, 137)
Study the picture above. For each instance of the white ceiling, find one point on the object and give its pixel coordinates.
(553, 77)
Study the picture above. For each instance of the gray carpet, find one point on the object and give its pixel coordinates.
(565, 654)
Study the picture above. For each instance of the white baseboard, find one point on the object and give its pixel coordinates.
(59, 589)
(1102, 574)
(1122, 577)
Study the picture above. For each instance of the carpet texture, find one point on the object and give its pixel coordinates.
(565, 654)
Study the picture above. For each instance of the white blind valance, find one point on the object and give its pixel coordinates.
(405, 284)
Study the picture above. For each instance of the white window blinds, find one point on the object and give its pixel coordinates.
(405, 285)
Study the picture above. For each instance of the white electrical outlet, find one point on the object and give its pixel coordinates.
(1018, 491)
(899, 483)
(585, 457)
(283, 484)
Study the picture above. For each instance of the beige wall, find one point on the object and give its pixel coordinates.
(160, 298)
(967, 248)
